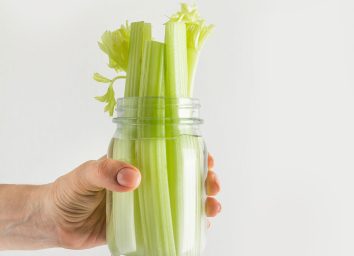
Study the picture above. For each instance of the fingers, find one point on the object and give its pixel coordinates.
(212, 207)
(110, 174)
(212, 184)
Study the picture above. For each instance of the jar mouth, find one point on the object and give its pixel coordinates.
(158, 110)
(133, 102)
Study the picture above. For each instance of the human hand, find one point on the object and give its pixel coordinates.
(76, 202)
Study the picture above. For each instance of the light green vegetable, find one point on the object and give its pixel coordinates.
(185, 34)
(176, 60)
(176, 86)
(141, 32)
(126, 206)
(197, 31)
(154, 192)
(163, 217)
(109, 98)
(116, 45)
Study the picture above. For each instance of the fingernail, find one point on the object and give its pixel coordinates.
(128, 177)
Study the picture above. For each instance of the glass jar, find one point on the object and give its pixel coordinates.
(165, 216)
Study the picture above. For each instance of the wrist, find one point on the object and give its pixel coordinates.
(25, 221)
(42, 204)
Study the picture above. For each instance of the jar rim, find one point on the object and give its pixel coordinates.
(188, 110)
(164, 101)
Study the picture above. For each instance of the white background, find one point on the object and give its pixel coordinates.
(276, 82)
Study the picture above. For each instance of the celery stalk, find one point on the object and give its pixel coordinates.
(153, 192)
(140, 33)
(183, 42)
(125, 206)
(122, 234)
(197, 32)
(176, 60)
(152, 73)
(176, 86)
(192, 57)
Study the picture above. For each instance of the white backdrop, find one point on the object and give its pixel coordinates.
(276, 82)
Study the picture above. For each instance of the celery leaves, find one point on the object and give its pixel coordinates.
(101, 79)
(197, 29)
(116, 45)
(108, 98)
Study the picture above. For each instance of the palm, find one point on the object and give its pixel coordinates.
(80, 213)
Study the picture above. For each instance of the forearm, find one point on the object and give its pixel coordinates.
(23, 220)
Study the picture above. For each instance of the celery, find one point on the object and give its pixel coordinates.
(176, 86)
(165, 215)
(176, 59)
(196, 34)
(121, 235)
(140, 32)
(184, 36)
(127, 205)
(151, 150)
(116, 45)
(197, 31)
(109, 98)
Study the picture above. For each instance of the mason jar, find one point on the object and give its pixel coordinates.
(165, 215)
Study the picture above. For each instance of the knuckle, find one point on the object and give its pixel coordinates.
(88, 165)
(102, 166)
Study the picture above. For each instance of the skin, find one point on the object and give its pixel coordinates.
(70, 212)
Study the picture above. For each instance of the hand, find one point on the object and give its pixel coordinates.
(76, 201)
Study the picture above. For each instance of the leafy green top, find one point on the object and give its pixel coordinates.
(197, 30)
(116, 45)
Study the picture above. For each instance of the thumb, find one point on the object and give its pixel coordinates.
(113, 175)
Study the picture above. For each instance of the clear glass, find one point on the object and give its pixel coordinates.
(165, 216)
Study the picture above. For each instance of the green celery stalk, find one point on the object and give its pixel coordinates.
(157, 228)
(176, 86)
(197, 32)
(176, 60)
(121, 231)
(127, 228)
(140, 33)
(185, 34)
